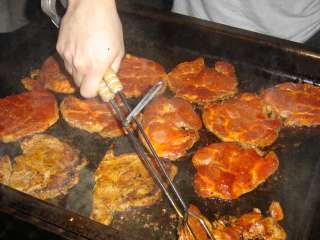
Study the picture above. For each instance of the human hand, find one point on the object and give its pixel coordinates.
(90, 41)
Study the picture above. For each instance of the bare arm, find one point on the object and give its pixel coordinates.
(90, 40)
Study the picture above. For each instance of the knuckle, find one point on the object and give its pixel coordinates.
(79, 63)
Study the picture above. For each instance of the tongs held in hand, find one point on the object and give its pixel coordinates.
(109, 88)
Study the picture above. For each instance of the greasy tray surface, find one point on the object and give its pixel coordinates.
(170, 43)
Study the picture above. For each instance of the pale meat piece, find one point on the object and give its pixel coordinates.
(123, 182)
(52, 76)
(298, 104)
(5, 169)
(227, 170)
(245, 119)
(139, 74)
(172, 126)
(47, 167)
(249, 226)
(197, 83)
(91, 115)
(26, 113)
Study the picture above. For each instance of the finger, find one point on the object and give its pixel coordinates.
(90, 84)
(68, 67)
(77, 77)
(116, 63)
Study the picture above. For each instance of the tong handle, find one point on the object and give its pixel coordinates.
(104, 92)
(109, 85)
(112, 81)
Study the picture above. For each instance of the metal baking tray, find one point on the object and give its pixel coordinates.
(168, 38)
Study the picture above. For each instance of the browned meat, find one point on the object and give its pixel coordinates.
(54, 76)
(245, 119)
(172, 126)
(90, 115)
(254, 226)
(26, 113)
(51, 76)
(139, 74)
(197, 83)
(122, 182)
(249, 226)
(297, 104)
(47, 168)
(198, 231)
(276, 211)
(5, 169)
(227, 171)
(33, 82)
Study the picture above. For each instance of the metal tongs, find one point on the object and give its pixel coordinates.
(110, 87)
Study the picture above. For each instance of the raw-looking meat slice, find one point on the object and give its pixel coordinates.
(91, 115)
(139, 74)
(227, 170)
(172, 126)
(26, 113)
(245, 119)
(197, 83)
(298, 104)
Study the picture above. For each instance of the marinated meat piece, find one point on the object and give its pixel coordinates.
(47, 168)
(249, 226)
(90, 115)
(5, 169)
(197, 83)
(254, 226)
(297, 104)
(245, 119)
(276, 211)
(227, 171)
(33, 83)
(196, 227)
(26, 113)
(123, 182)
(55, 77)
(52, 76)
(172, 126)
(138, 75)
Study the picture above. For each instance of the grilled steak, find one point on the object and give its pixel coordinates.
(297, 104)
(90, 115)
(52, 76)
(172, 126)
(249, 226)
(139, 74)
(47, 168)
(226, 170)
(26, 113)
(123, 182)
(197, 83)
(245, 119)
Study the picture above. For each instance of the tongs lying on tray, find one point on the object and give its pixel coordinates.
(110, 87)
